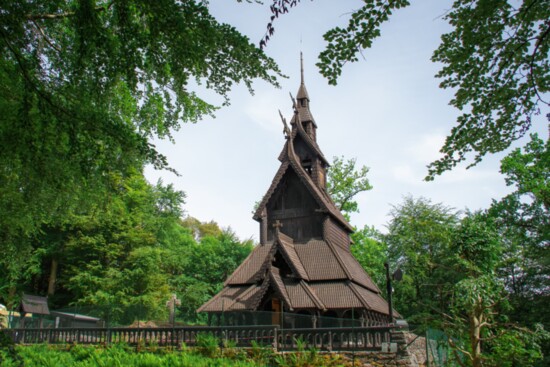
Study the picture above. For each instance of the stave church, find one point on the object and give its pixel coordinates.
(303, 265)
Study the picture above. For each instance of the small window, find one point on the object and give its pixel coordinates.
(306, 164)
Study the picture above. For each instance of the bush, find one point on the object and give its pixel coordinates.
(208, 345)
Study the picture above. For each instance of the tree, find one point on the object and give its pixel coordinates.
(418, 239)
(495, 58)
(84, 84)
(371, 252)
(201, 229)
(204, 266)
(344, 182)
(523, 221)
(104, 256)
(477, 322)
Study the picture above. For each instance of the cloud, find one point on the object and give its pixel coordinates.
(407, 175)
(426, 148)
(262, 110)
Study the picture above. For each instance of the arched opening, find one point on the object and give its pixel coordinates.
(330, 319)
(351, 318)
(303, 319)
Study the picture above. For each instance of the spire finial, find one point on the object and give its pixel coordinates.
(302, 66)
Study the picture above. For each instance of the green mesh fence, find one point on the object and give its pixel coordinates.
(437, 348)
(138, 315)
(284, 320)
(431, 347)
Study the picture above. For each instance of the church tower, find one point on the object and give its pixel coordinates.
(303, 263)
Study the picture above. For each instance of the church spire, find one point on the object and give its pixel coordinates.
(302, 66)
(302, 96)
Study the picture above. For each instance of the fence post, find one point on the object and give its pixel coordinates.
(108, 332)
(283, 324)
(276, 338)
(427, 350)
(353, 334)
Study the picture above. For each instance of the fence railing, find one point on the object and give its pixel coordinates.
(332, 339)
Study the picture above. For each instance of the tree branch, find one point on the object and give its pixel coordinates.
(531, 64)
(46, 38)
(49, 16)
(456, 349)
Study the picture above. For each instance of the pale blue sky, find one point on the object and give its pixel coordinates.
(387, 111)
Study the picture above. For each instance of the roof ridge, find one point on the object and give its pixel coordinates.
(285, 237)
(263, 289)
(339, 259)
(352, 286)
(314, 189)
(312, 295)
(219, 295)
(308, 139)
(288, 258)
(244, 263)
(278, 176)
(282, 290)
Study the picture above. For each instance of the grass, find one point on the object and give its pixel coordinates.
(114, 356)
(206, 354)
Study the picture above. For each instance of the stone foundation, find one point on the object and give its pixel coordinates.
(401, 357)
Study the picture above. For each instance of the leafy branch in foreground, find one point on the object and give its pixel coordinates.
(495, 59)
(84, 86)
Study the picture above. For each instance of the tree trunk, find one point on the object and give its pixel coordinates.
(11, 298)
(475, 334)
(53, 277)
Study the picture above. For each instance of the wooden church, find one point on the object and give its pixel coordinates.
(303, 264)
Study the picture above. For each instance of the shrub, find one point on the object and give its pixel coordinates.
(207, 345)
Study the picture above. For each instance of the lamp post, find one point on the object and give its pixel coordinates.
(389, 291)
(397, 275)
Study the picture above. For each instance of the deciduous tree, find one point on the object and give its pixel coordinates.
(344, 182)
(85, 84)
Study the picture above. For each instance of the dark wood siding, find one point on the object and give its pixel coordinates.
(294, 206)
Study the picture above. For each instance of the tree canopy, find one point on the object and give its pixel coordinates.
(84, 84)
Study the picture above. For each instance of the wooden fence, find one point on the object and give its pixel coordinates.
(333, 339)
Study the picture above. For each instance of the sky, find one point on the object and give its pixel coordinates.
(387, 112)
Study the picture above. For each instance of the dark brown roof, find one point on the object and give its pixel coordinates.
(305, 136)
(302, 296)
(329, 277)
(252, 267)
(355, 270)
(289, 251)
(35, 304)
(336, 295)
(319, 261)
(314, 260)
(235, 298)
(279, 286)
(335, 234)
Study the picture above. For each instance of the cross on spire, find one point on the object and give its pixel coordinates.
(277, 225)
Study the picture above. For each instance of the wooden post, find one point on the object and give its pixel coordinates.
(389, 291)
